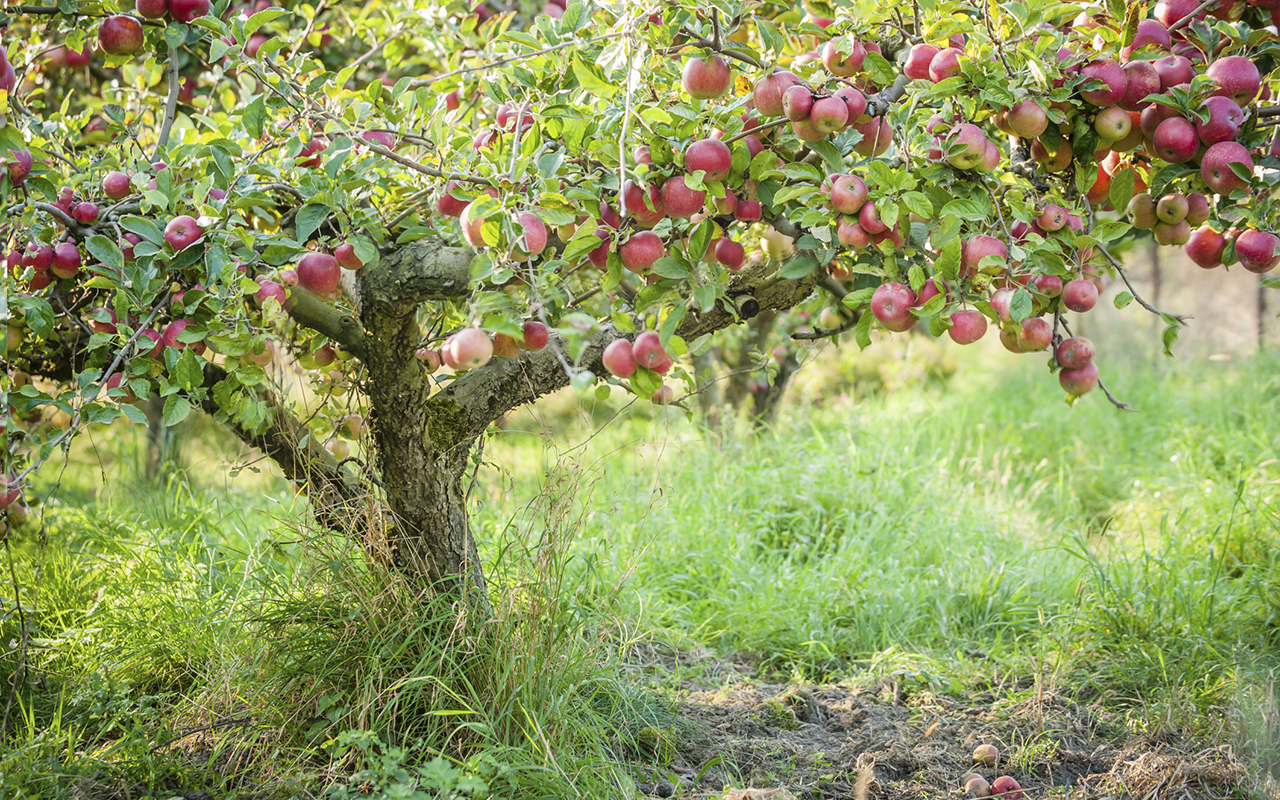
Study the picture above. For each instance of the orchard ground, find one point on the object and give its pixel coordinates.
(844, 607)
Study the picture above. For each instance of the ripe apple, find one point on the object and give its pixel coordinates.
(319, 273)
(647, 350)
(1175, 140)
(268, 289)
(1172, 208)
(977, 248)
(1074, 353)
(1205, 247)
(534, 238)
(116, 185)
(841, 62)
(535, 336)
(1151, 117)
(797, 102)
(153, 344)
(828, 115)
(869, 219)
(1197, 208)
(19, 165)
(877, 137)
(472, 348)
(182, 232)
(1142, 211)
(679, 200)
(706, 78)
(1150, 33)
(1215, 166)
(187, 10)
(767, 94)
(1257, 250)
(1035, 335)
(1027, 119)
(152, 9)
(429, 358)
(945, 64)
(975, 145)
(120, 35)
(730, 253)
(1141, 81)
(1171, 12)
(505, 346)
(967, 326)
(1111, 75)
(1053, 162)
(918, 60)
(1075, 382)
(173, 330)
(1174, 70)
(1236, 77)
(1113, 124)
(1079, 295)
(644, 207)
(1225, 119)
(848, 194)
(473, 226)
(66, 260)
(1047, 285)
(85, 213)
(346, 255)
(641, 251)
(854, 100)
(850, 234)
(891, 304)
(618, 359)
(712, 156)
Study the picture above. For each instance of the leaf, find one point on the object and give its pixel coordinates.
(105, 251)
(1123, 299)
(668, 327)
(915, 277)
(255, 22)
(1020, 305)
(948, 262)
(974, 209)
(700, 239)
(309, 219)
(798, 267)
(917, 203)
(1170, 337)
(672, 267)
(145, 228)
(862, 331)
(584, 241)
(39, 315)
(134, 414)
(254, 115)
(770, 36)
(705, 295)
(592, 79)
(175, 34)
(1121, 189)
(188, 371)
(176, 409)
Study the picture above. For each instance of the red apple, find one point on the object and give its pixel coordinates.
(645, 208)
(1111, 75)
(66, 260)
(533, 239)
(1006, 788)
(1257, 250)
(641, 251)
(797, 102)
(19, 165)
(978, 248)
(967, 327)
(891, 304)
(346, 255)
(1151, 33)
(1079, 295)
(182, 232)
(843, 63)
(944, 64)
(618, 359)
(152, 9)
(1075, 382)
(472, 348)
(1215, 167)
(1236, 77)
(1047, 285)
(712, 156)
(851, 234)
(1035, 335)
(116, 185)
(173, 330)
(848, 194)
(706, 78)
(679, 200)
(919, 57)
(1173, 71)
(187, 10)
(730, 253)
(1027, 119)
(748, 210)
(1074, 353)
(319, 273)
(1225, 119)
(1175, 140)
(1141, 80)
(767, 94)
(85, 213)
(647, 350)
(829, 115)
(535, 336)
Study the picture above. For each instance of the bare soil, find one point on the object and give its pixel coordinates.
(743, 738)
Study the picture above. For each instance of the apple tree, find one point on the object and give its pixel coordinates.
(439, 212)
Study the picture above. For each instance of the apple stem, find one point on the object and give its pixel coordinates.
(170, 105)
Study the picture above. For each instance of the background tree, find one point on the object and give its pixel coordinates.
(579, 195)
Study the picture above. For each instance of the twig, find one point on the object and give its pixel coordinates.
(170, 105)
(1180, 318)
(1269, 111)
(705, 42)
(777, 123)
(879, 103)
(1117, 403)
(504, 61)
(819, 333)
(1188, 19)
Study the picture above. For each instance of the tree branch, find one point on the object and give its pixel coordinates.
(308, 309)
(427, 269)
(170, 105)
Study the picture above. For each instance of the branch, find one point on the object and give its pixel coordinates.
(1180, 318)
(523, 57)
(1187, 20)
(1117, 403)
(427, 269)
(170, 105)
(878, 103)
(309, 310)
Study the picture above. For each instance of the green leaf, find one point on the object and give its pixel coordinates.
(39, 315)
(1121, 189)
(948, 263)
(915, 277)
(918, 203)
(645, 382)
(862, 331)
(188, 372)
(145, 228)
(310, 218)
(105, 251)
(705, 295)
(175, 34)
(1020, 305)
(798, 267)
(671, 267)
(592, 79)
(770, 36)
(176, 409)
(1170, 337)
(584, 241)
(134, 414)
(700, 239)
(255, 22)
(254, 115)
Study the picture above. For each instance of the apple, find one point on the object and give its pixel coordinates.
(975, 145)
(618, 359)
(1257, 250)
(967, 326)
(472, 348)
(430, 359)
(1174, 70)
(841, 62)
(1074, 353)
(473, 226)
(1035, 335)
(891, 304)
(1053, 162)
(1113, 124)
(85, 213)
(647, 350)
(1047, 285)
(346, 255)
(663, 396)
(66, 260)
(877, 137)
(641, 250)
(319, 273)
(767, 93)
(534, 238)
(1100, 191)
(706, 78)
(152, 346)
(730, 253)
(1141, 81)
(152, 9)
(1027, 119)
(127, 243)
(289, 277)
(1175, 140)
(1075, 382)
(1205, 247)
(268, 289)
(1079, 295)
(534, 336)
(748, 210)
(1172, 208)
(918, 60)
(1215, 166)
(797, 102)
(505, 346)
(644, 207)
(100, 326)
(976, 249)
(1010, 341)
(828, 115)
(944, 64)
(712, 156)
(679, 200)
(869, 219)
(726, 204)
(173, 330)
(120, 35)
(1151, 117)
(19, 165)
(1225, 119)
(1113, 78)
(1236, 77)
(977, 785)
(1171, 12)
(850, 234)
(1006, 788)
(854, 101)
(1197, 208)
(931, 289)
(848, 194)
(187, 10)
(116, 185)
(309, 155)
(384, 139)
(1142, 211)
(1150, 33)
(182, 232)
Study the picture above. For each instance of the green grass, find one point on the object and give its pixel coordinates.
(1127, 560)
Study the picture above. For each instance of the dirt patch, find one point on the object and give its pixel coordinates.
(885, 740)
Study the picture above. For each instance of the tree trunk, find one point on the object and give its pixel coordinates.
(768, 401)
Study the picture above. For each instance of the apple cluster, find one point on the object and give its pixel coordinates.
(1004, 786)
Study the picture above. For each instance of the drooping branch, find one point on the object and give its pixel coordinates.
(308, 309)
(427, 269)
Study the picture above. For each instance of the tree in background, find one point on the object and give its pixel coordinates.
(440, 212)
